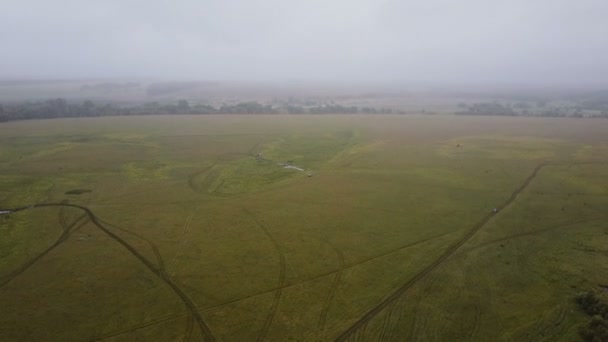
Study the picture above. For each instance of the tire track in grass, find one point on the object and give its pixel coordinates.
(159, 257)
(319, 276)
(62, 218)
(67, 230)
(192, 182)
(182, 241)
(237, 299)
(444, 256)
(535, 232)
(397, 323)
(280, 282)
(419, 326)
(140, 326)
(330, 297)
(162, 267)
(477, 294)
(233, 300)
(206, 332)
(189, 329)
(476, 322)
(552, 329)
(392, 322)
(385, 323)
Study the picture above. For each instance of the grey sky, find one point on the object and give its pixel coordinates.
(564, 41)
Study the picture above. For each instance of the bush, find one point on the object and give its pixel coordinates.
(596, 330)
(595, 305)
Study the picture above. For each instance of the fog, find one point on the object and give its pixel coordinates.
(470, 41)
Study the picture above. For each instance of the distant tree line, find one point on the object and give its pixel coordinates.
(525, 109)
(61, 108)
(488, 108)
(597, 101)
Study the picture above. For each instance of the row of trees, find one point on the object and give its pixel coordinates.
(57, 108)
(498, 109)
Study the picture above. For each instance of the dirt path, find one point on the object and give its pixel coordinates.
(319, 276)
(182, 241)
(330, 297)
(280, 282)
(206, 332)
(140, 326)
(276, 288)
(66, 231)
(444, 256)
(159, 257)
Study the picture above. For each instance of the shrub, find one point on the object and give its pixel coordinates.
(595, 305)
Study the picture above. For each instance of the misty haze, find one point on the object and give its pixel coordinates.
(273, 170)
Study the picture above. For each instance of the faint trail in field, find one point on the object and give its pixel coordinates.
(254, 147)
(479, 294)
(182, 241)
(503, 170)
(476, 322)
(549, 331)
(189, 329)
(418, 324)
(319, 276)
(392, 321)
(62, 218)
(330, 296)
(534, 232)
(445, 255)
(237, 299)
(385, 322)
(159, 257)
(389, 323)
(191, 183)
(187, 224)
(280, 282)
(414, 322)
(103, 201)
(378, 308)
(67, 230)
(206, 332)
(140, 326)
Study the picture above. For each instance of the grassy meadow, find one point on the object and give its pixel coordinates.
(270, 253)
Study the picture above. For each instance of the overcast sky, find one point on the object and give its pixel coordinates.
(514, 41)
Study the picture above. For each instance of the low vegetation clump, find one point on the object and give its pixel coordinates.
(596, 306)
(78, 191)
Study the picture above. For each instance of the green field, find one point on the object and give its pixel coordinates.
(186, 228)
